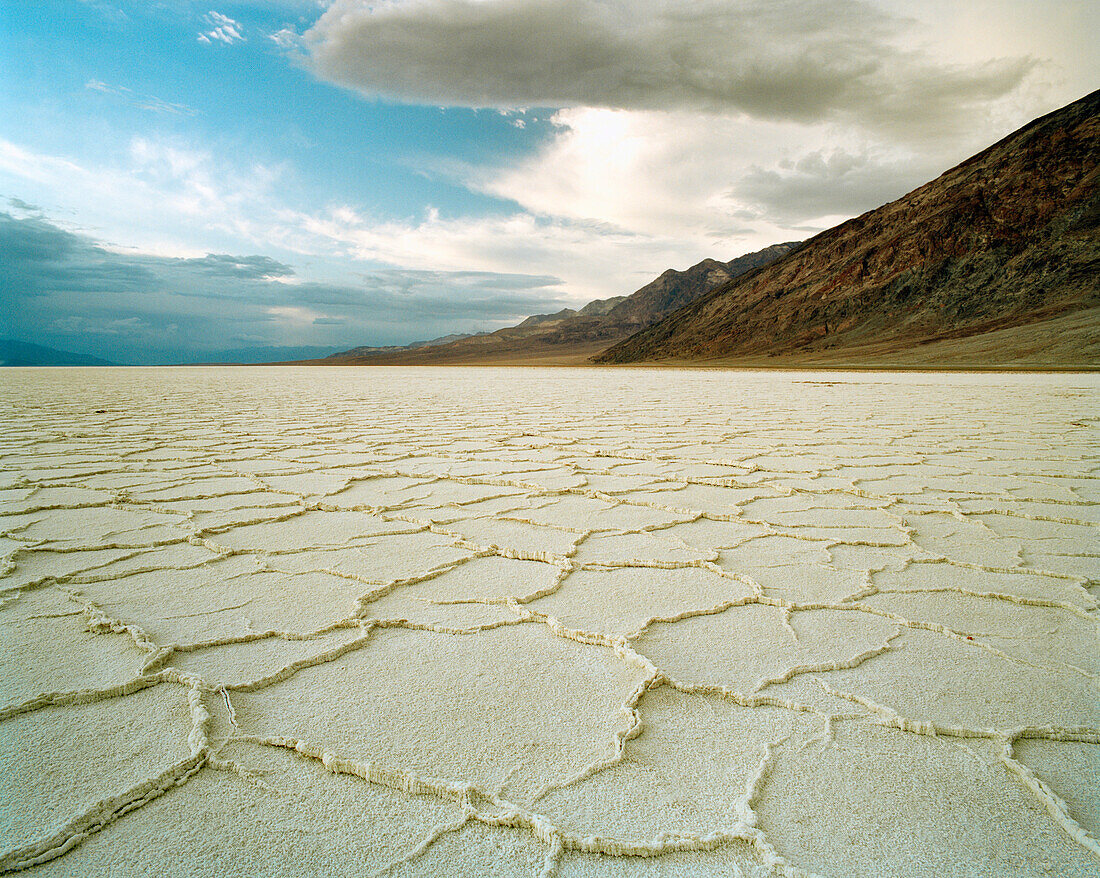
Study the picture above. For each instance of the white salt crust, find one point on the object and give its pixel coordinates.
(548, 622)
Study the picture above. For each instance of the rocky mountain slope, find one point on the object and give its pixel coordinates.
(571, 335)
(1006, 240)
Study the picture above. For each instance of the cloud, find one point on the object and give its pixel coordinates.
(799, 60)
(37, 257)
(224, 30)
(174, 198)
(142, 102)
(64, 289)
(294, 313)
(163, 194)
(286, 38)
(98, 85)
(826, 186)
(20, 204)
(253, 267)
(743, 185)
(403, 294)
(76, 324)
(592, 259)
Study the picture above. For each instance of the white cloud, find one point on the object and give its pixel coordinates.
(593, 260)
(78, 324)
(716, 186)
(173, 199)
(161, 195)
(718, 125)
(98, 85)
(295, 314)
(825, 186)
(224, 30)
(144, 102)
(36, 167)
(696, 129)
(286, 38)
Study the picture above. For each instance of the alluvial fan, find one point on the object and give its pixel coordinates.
(549, 622)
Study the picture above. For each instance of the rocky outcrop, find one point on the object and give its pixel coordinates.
(675, 289)
(1009, 237)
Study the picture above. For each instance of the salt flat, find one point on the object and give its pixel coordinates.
(574, 622)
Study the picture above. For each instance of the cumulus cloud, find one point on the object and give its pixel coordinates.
(801, 60)
(64, 289)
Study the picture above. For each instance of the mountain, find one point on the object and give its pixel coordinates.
(371, 350)
(998, 257)
(675, 289)
(22, 353)
(595, 308)
(569, 336)
(258, 355)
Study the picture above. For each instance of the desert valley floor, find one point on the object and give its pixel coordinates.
(571, 622)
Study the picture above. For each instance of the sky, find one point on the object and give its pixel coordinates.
(192, 181)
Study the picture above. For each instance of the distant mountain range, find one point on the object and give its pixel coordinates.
(372, 350)
(996, 262)
(258, 355)
(21, 353)
(572, 335)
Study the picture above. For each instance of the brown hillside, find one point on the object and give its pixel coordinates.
(1007, 238)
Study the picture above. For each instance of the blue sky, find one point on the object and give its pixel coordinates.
(182, 179)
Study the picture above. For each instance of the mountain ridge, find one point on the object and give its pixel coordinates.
(571, 335)
(1006, 238)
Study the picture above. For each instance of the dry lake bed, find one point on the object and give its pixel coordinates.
(570, 622)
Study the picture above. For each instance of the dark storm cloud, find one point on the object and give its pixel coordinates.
(65, 290)
(20, 204)
(220, 265)
(37, 257)
(801, 60)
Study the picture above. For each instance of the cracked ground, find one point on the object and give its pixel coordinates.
(548, 622)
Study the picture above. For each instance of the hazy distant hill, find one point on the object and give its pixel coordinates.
(21, 353)
(264, 354)
(371, 350)
(997, 260)
(572, 335)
